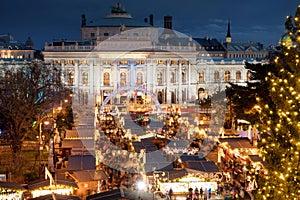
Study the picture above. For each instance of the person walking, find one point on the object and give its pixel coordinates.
(201, 192)
(170, 193)
(197, 194)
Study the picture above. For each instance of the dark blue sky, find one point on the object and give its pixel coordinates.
(45, 20)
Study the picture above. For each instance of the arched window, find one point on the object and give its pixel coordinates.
(85, 78)
(216, 76)
(201, 77)
(248, 75)
(227, 76)
(173, 78)
(159, 78)
(173, 97)
(238, 76)
(71, 77)
(106, 78)
(123, 78)
(139, 78)
(183, 77)
(160, 97)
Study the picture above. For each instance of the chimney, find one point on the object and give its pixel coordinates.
(168, 22)
(151, 20)
(83, 20)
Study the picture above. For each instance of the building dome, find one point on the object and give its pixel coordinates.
(286, 40)
(29, 43)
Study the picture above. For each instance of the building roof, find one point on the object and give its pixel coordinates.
(237, 142)
(159, 166)
(209, 44)
(40, 183)
(90, 175)
(203, 166)
(116, 18)
(81, 162)
(172, 174)
(7, 43)
(117, 22)
(185, 158)
(56, 196)
(11, 185)
(244, 46)
(256, 158)
(111, 195)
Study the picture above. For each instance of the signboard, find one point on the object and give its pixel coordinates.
(176, 187)
(3, 177)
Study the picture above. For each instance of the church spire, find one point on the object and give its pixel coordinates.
(228, 36)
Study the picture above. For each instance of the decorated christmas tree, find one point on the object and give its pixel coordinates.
(280, 119)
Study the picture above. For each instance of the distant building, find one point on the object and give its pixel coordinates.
(247, 50)
(13, 50)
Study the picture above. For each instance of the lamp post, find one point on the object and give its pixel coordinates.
(40, 147)
(41, 142)
(245, 176)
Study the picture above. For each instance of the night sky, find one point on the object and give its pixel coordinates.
(45, 20)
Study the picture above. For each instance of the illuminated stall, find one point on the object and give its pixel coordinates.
(11, 191)
(198, 174)
(182, 185)
(45, 187)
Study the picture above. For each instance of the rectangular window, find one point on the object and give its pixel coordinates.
(106, 62)
(140, 62)
(83, 62)
(70, 62)
(160, 62)
(123, 62)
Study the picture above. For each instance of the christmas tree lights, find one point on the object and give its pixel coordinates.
(280, 124)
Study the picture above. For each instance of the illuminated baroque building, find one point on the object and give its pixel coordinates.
(120, 51)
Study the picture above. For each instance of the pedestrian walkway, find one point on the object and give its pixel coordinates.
(183, 197)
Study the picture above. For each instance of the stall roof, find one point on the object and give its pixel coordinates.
(173, 174)
(237, 142)
(11, 185)
(81, 162)
(44, 183)
(185, 158)
(90, 175)
(56, 196)
(256, 158)
(204, 166)
(112, 195)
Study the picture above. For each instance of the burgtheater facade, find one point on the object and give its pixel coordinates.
(119, 51)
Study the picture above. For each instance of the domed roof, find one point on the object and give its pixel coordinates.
(29, 43)
(286, 40)
(117, 17)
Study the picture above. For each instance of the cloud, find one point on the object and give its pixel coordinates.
(214, 27)
(218, 21)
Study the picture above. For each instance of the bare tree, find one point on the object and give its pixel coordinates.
(27, 95)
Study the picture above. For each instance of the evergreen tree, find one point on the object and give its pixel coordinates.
(280, 127)
(244, 98)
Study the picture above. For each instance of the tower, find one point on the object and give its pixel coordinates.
(228, 36)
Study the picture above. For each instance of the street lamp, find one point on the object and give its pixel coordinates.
(245, 176)
(40, 140)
